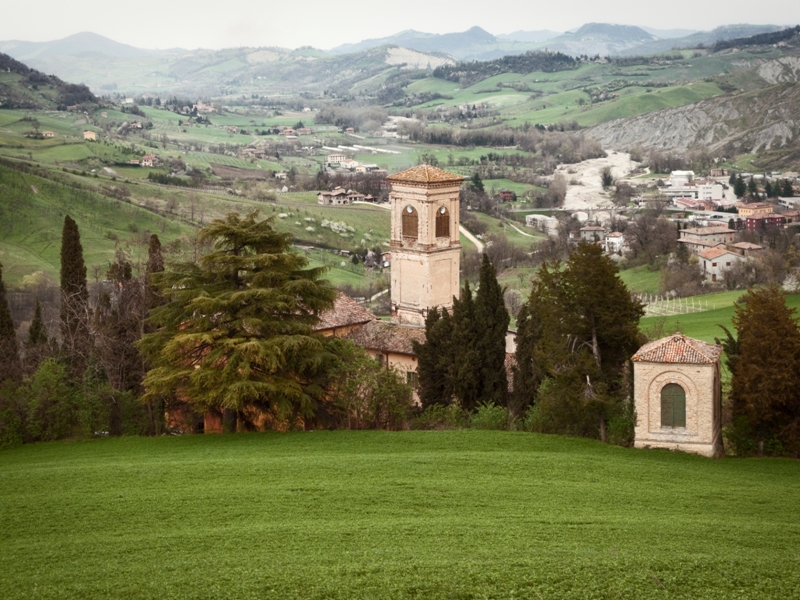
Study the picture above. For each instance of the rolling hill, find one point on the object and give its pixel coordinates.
(23, 87)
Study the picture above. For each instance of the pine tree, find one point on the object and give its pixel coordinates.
(527, 377)
(10, 364)
(740, 187)
(236, 329)
(491, 320)
(75, 336)
(765, 382)
(788, 190)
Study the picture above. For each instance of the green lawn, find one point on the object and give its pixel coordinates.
(705, 325)
(641, 280)
(462, 514)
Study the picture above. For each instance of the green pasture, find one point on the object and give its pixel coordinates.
(641, 280)
(414, 514)
(705, 325)
(33, 210)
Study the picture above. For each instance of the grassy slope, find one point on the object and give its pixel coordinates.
(463, 514)
(705, 325)
(30, 230)
(641, 280)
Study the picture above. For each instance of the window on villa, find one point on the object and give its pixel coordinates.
(412, 379)
(410, 223)
(713, 264)
(673, 406)
(442, 222)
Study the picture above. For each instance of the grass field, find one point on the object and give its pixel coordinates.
(705, 325)
(641, 280)
(462, 514)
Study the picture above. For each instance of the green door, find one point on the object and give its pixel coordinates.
(673, 406)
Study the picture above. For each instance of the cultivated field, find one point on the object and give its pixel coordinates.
(461, 514)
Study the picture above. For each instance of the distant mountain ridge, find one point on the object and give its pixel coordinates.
(600, 38)
(73, 45)
(705, 38)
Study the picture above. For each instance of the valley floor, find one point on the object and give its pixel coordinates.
(419, 514)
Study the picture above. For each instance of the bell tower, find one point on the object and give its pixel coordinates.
(425, 244)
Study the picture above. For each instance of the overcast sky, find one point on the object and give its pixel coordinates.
(326, 23)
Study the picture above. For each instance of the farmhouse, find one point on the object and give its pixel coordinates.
(615, 242)
(149, 160)
(506, 195)
(746, 249)
(335, 159)
(676, 389)
(592, 233)
(48, 134)
(714, 262)
(336, 197)
(698, 239)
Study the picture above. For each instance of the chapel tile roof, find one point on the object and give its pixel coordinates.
(345, 311)
(425, 174)
(386, 337)
(678, 349)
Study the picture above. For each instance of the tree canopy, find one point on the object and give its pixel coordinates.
(236, 328)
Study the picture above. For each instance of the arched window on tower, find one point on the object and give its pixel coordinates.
(410, 223)
(442, 222)
(673, 406)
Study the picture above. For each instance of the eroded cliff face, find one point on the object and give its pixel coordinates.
(756, 121)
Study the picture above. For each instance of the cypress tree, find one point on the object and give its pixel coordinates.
(435, 360)
(10, 365)
(74, 300)
(36, 348)
(466, 366)
(765, 386)
(155, 264)
(491, 325)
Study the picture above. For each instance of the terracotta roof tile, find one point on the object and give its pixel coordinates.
(386, 337)
(713, 253)
(707, 230)
(425, 174)
(747, 246)
(678, 349)
(345, 311)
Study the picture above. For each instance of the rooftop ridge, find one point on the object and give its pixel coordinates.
(678, 348)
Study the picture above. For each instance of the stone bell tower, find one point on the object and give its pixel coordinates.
(424, 242)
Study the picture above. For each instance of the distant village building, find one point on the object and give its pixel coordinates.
(676, 383)
(335, 159)
(714, 262)
(678, 178)
(615, 243)
(149, 160)
(104, 115)
(48, 134)
(424, 242)
(746, 249)
(507, 195)
(748, 209)
(698, 239)
(90, 136)
(763, 221)
(337, 197)
(592, 233)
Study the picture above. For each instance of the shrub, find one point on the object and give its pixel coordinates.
(490, 416)
(440, 416)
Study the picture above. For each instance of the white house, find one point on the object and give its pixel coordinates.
(592, 233)
(714, 262)
(335, 159)
(615, 242)
(678, 178)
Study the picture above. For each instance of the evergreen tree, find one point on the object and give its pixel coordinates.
(236, 328)
(752, 188)
(578, 346)
(491, 324)
(466, 366)
(75, 336)
(10, 364)
(765, 382)
(788, 190)
(155, 264)
(768, 189)
(37, 348)
(527, 377)
(435, 360)
(740, 187)
(477, 183)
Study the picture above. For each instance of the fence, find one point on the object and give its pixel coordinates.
(666, 306)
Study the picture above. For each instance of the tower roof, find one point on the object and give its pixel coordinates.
(425, 174)
(678, 349)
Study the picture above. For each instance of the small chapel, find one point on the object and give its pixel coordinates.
(677, 394)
